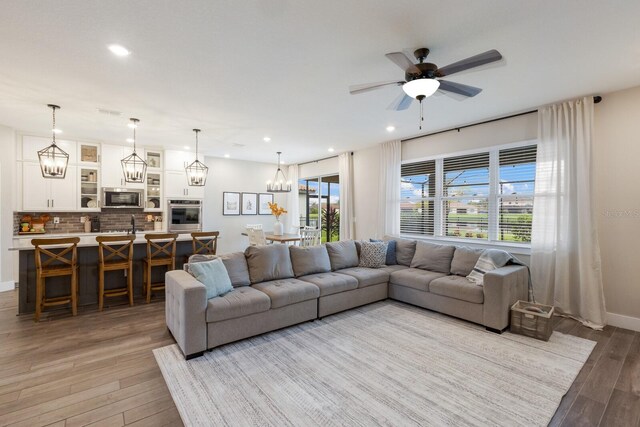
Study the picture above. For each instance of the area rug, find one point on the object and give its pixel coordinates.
(383, 364)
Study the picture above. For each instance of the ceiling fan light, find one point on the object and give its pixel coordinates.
(421, 87)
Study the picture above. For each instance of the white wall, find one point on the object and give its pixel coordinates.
(239, 176)
(617, 196)
(7, 203)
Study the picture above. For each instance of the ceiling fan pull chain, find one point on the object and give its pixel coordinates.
(421, 114)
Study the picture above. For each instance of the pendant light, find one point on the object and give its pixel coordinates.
(279, 183)
(133, 167)
(53, 160)
(197, 171)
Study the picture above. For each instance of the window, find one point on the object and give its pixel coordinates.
(482, 196)
(319, 201)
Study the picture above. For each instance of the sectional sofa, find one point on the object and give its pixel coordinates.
(276, 286)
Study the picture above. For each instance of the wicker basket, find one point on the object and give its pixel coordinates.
(531, 319)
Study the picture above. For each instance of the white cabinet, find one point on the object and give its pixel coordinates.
(178, 160)
(111, 167)
(47, 194)
(176, 186)
(32, 144)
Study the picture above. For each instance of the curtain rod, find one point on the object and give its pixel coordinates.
(596, 100)
(319, 160)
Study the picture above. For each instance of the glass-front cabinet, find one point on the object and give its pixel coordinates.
(88, 154)
(154, 159)
(89, 188)
(154, 192)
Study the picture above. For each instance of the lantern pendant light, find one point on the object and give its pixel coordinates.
(197, 171)
(134, 167)
(280, 184)
(53, 160)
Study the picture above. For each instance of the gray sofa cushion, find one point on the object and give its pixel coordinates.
(235, 263)
(239, 302)
(366, 276)
(343, 254)
(309, 260)
(457, 287)
(391, 268)
(288, 291)
(405, 249)
(430, 256)
(464, 259)
(270, 262)
(414, 278)
(332, 283)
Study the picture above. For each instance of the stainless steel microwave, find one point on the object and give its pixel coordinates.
(122, 198)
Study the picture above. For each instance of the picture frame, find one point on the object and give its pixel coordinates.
(263, 200)
(249, 204)
(230, 203)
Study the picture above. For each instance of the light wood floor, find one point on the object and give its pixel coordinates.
(98, 369)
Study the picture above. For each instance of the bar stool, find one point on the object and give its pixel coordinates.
(55, 262)
(161, 250)
(205, 242)
(115, 253)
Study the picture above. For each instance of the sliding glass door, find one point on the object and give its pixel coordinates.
(319, 199)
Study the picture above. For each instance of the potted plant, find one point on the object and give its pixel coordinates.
(277, 211)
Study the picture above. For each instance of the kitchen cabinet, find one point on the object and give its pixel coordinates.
(32, 144)
(88, 154)
(46, 194)
(153, 201)
(90, 194)
(111, 167)
(178, 160)
(176, 186)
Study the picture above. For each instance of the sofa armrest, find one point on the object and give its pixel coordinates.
(502, 288)
(185, 312)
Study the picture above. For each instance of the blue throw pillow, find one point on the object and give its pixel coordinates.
(391, 251)
(213, 275)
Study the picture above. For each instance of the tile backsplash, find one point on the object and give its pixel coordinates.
(110, 220)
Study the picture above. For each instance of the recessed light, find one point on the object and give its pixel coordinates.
(56, 131)
(130, 140)
(226, 156)
(390, 128)
(331, 149)
(119, 50)
(266, 139)
(186, 147)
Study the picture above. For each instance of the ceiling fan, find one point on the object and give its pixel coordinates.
(421, 79)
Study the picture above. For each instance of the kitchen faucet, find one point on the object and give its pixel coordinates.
(133, 225)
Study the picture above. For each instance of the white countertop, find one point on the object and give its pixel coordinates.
(23, 242)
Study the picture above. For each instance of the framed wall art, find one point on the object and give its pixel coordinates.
(249, 204)
(263, 203)
(230, 203)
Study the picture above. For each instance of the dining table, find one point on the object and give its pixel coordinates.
(282, 238)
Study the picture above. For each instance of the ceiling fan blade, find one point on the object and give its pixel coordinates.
(402, 102)
(459, 88)
(471, 62)
(356, 89)
(402, 61)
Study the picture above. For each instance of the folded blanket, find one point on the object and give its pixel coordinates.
(490, 259)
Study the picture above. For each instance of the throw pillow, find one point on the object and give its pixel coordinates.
(235, 263)
(309, 260)
(343, 254)
(373, 254)
(391, 252)
(432, 257)
(464, 259)
(213, 275)
(405, 249)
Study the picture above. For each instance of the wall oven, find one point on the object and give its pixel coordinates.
(122, 198)
(184, 216)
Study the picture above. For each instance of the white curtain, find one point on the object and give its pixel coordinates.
(389, 187)
(565, 254)
(345, 170)
(292, 218)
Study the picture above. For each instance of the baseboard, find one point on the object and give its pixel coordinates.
(7, 286)
(622, 321)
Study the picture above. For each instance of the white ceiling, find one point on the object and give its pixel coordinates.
(242, 70)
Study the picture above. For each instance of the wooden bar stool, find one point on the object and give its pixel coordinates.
(115, 253)
(161, 250)
(205, 242)
(55, 262)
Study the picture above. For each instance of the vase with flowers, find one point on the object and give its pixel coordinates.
(277, 211)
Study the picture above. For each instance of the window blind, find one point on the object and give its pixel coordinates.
(418, 189)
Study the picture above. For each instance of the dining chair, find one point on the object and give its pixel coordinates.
(310, 237)
(256, 235)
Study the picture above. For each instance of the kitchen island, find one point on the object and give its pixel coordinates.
(87, 269)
